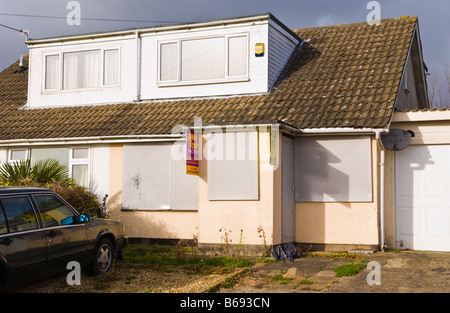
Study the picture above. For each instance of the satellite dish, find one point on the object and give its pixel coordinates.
(397, 139)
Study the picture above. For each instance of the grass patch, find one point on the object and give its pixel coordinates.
(283, 280)
(333, 256)
(165, 257)
(350, 268)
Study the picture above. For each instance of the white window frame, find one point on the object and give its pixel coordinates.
(61, 69)
(79, 161)
(226, 79)
(27, 154)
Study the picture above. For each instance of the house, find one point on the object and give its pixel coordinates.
(289, 127)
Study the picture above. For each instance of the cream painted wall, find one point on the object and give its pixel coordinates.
(247, 216)
(341, 223)
(146, 224)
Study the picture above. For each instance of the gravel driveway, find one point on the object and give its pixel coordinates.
(131, 278)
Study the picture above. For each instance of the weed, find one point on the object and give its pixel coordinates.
(281, 278)
(241, 241)
(262, 234)
(350, 268)
(225, 238)
(305, 282)
(165, 257)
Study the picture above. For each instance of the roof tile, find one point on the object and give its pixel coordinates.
(343, 76)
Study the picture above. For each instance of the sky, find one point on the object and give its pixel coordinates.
(48, 18)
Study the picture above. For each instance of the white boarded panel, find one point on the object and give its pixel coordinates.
(233, 166)
(147, 176)
(333, 169)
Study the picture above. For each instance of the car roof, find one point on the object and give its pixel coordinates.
(24, 189)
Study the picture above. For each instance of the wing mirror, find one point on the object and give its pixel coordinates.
(84, 218)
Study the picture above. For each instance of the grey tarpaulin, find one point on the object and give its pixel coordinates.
(286, 252)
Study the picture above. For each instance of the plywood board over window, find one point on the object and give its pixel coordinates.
(233, 166)
(333, 169)
(154, 180)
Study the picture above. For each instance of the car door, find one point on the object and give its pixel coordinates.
(23, 243)
(66, 238)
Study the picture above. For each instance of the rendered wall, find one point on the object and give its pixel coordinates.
(340, 225)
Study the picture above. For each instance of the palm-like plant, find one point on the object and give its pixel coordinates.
(44, 171)
(48, 170)
(12, 173)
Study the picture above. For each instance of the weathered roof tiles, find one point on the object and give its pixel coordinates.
(341, 76)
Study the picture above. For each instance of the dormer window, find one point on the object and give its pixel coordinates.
(81, 70)
(203, 60)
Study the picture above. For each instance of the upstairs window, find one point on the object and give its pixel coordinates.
(204, 60)
(81, 70)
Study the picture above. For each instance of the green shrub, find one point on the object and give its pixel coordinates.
(51, 174)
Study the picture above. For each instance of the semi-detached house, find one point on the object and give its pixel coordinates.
(289, 123)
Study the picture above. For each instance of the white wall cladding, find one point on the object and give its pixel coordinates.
(38, 97)
(281, 47)
(257, 82)
(262, 71)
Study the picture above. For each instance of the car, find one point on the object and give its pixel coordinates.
(40, 233)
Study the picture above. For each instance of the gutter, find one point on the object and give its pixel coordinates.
(88, 140)
(154, 29)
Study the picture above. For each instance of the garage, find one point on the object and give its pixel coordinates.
(422, 191)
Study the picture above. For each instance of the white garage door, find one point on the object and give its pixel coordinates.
(423, 197)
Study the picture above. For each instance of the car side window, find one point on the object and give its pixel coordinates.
(19, 215)
(3, 226)
(53, 211)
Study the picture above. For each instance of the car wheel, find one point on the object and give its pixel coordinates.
(103, 256)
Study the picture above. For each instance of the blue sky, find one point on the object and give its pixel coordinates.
(433, 16)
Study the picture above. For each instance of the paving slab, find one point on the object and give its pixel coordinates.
(407, 271)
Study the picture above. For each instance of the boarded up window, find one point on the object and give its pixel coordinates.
(233, 166)
(333, 169)
(153, 180)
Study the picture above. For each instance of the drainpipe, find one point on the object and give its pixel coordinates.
(381, 192)
(138, 67)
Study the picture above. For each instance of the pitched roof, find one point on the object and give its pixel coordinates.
(341, 76)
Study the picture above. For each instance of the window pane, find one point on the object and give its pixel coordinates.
(80, 153)
(3, 226)
(203, 59)
(81, 69)
(60, 154)
(18, 155)
(19, 213)
(80, 174)
(111, 67)
(237, 56)
(53, 211)
(168, 59)
(52, 72)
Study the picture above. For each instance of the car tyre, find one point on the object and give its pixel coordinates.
(103, 257)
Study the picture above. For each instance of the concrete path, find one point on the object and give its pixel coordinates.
(407, 271)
